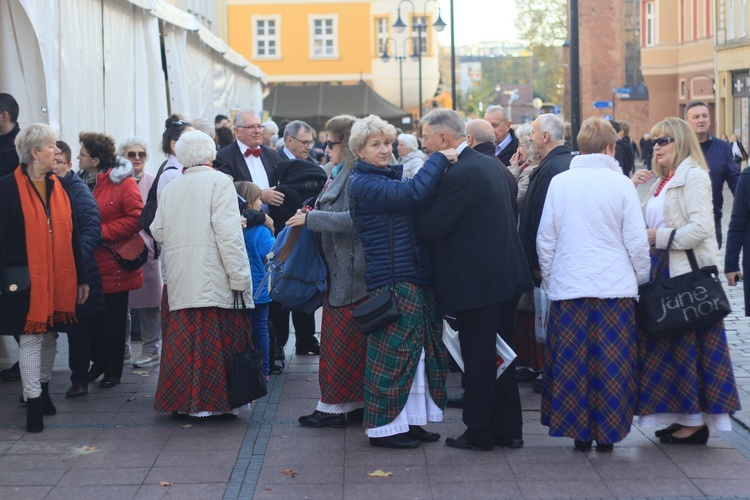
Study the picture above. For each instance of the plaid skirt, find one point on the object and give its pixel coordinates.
(342, 356)
(196, 346)
(393, 355)
(687, 374)
(590, 371)
(529, 352)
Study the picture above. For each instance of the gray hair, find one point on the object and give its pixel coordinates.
(35, 136)
(445, 119)
(553, 125)
(523, 133)
(204, 126)
(495, 108)
(130, 142)
(409, 141)
(366, 127)
(293, 128)
(271, 127)
(238, 115)
(195, 148)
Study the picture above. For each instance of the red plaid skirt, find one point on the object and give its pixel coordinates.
(343, 351)
(530, 353)
(196, 346)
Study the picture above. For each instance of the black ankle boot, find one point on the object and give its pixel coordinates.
(34, 415)
(47, 407)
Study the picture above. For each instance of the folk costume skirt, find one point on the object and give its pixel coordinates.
(590, 371)
(197, 344)
(529, 352)
(341, 370)
(393, 357)
(687, 379)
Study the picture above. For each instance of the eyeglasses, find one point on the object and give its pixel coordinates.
(251, 127)
(331, 144)
(307, 144)
(139, 154)
(81, 155)
(663, 141)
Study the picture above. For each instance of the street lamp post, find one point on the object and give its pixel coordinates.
(385, 57)
(399, 27)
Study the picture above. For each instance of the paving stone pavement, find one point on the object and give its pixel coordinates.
(111, 444)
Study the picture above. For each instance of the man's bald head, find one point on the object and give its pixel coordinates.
(479, 131)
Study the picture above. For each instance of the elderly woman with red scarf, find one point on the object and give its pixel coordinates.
(41, 265)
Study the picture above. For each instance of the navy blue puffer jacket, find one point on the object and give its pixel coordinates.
(377, 193)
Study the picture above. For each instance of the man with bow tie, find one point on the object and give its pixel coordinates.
(248, 160)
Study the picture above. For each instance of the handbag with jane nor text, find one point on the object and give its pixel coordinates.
(677, 305)
(245, 380)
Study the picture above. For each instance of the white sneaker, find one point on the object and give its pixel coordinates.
(147, 360)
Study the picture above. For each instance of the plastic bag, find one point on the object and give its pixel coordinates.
(505, 355)
(541, 313)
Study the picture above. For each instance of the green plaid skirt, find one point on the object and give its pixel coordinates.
(393, 356)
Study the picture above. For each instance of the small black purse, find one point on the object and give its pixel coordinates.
(14, 280)
(245, 380)
(674, 306)
(380, 310)
(131, 254)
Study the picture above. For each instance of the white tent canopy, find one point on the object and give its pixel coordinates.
(96, 65)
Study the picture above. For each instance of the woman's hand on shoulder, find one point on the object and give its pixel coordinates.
(451, 154)
(298, 219)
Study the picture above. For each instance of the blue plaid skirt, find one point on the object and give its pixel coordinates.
(590, 369)
(688, 374)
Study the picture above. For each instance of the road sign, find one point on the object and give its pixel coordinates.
(622, 90)
(556, 110)
(603, 104)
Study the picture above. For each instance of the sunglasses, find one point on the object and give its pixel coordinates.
(331, 144)
(663, 141)
(132, 155)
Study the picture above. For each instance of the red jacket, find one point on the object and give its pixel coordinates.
(120, 206)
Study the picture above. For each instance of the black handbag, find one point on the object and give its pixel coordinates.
(14, 280)
(380, 310)
(245, 378)
(674, 306)
(130, 254)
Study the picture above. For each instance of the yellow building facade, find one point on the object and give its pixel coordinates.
(733, 68)
(340, 42)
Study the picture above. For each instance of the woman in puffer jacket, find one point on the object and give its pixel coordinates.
(120, 205)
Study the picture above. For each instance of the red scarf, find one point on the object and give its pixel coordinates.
(49, 248)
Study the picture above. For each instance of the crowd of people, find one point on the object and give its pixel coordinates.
(459, 223)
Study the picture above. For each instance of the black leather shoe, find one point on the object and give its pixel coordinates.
(698, 437)
(12, 374)
(604, 446)
(95, 373)
(279, 354)
(526, 374)
(398, 441)
(509, 443)
(357, 415)
(462, 443)
(456, 402)
(667, 430)
(277, 368)
(77, 390)
(108, 383)
(582, 445)
(536, 385)
(313, 349)
(424, 436)
(321, 419)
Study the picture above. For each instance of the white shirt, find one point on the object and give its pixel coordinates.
(289, 154)
(255, 167)
(460, 148)
(655, 209)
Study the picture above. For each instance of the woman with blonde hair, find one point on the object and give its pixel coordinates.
(686, 380)
(593, 270)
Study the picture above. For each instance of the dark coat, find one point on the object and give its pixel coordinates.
(647, 148)
(281, 156)
(624, 155)
(298, 181)
(231, 161)
(721, 168)
(488, 149)
(8, 155)
(558, 160)
(13, 311)
(478, 259)
(377, 196)
(509, 150)
(738, 235)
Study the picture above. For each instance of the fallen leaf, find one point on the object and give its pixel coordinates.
(309, 379)
(379, 473)
(130, 399)
(148, 396)
(268, 489)
(289, 472)
(142, 373)
(187, 426)
(89, 448)
(165, 483)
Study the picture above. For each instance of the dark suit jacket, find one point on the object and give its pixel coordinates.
(478, 259)
(558, 160)
(232, 162)
(488, 148)
(509, 150)
(281, 156)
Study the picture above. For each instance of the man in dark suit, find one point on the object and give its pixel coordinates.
(506, 142)
(480, 272)
(298, 142)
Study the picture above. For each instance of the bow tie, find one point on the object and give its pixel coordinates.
(255, 152)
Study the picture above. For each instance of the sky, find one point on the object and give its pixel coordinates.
(479, 21)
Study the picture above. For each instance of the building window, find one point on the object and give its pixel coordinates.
(324, 37)
(730, 19)
(381, 35)
(683, 89)
(650, 25)
(266, 37)
(742, 4)
(423, 21)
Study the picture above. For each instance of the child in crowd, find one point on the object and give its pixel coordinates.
(258, 241)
